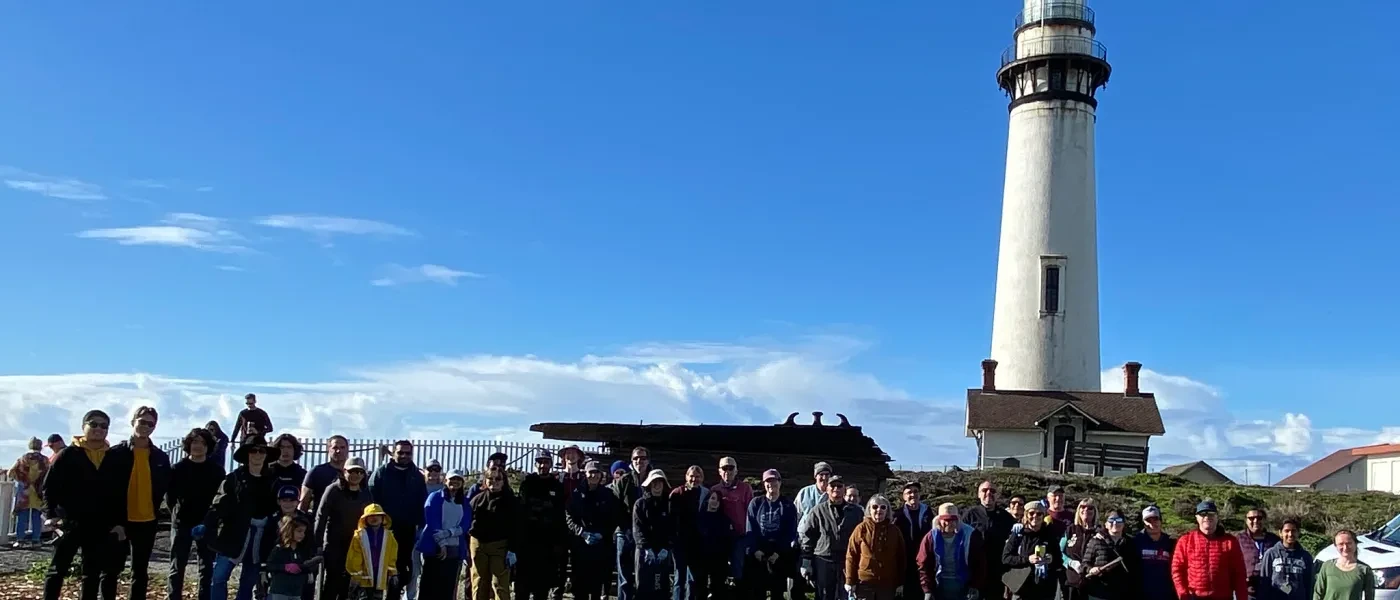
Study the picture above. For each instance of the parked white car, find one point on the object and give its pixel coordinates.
(1379, 549)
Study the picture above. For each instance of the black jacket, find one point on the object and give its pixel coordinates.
(401, 493)
(1120, 582)
(496, 517)
(542, 502)
(592, 511)
(1016, 554)
(272, 536)
(293, 475)
(914, 527)
(241, 498)
(123, 457)
(83, 494)
(653, 526)
(338, 514)
(685, 509)
(192, 489)
(995, 526)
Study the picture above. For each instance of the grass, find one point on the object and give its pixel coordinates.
(1321, 513)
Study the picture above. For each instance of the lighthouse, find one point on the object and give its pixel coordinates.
(1045, 329)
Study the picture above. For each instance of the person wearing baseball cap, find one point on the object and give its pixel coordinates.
(823, 534)
(1207, 563)
(337, 518)
(772, 538)
(1156, 547)
(497, 460)
(629, 490)
(542, 550)
(591, 516)
(915, 520)
(443, 543)
(288, 496)
(812, 494)
(736, 495)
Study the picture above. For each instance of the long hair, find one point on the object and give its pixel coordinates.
(200, 434)
(1079, 520)
(287, 531)
(213, 427)
(277, 446)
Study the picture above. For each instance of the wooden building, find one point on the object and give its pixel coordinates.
(791, 448)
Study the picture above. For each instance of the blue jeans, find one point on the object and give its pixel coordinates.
(223, 570)
(736, 559)
(626, 567)
(685, 580)
(33, 520)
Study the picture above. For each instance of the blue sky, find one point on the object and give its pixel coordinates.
(812, 180)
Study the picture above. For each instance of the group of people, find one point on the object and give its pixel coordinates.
(341, 532)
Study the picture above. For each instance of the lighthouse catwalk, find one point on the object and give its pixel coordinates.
(1045, 332)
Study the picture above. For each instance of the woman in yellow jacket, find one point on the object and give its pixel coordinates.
(370, 561)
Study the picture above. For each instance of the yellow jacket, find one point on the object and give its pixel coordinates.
(358, 561)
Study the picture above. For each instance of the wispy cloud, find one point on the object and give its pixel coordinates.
(65, 188)
(331, 225)
(204, 188)
(174, 185)
(230, 268)
(399, 274)
(150, 184)
(186, 230)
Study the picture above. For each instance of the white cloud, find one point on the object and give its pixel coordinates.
(66, 188)
(328, 225)
(204, 189)
(501, 396)
(151, 184)
(186, 230)
(399, 275)
(230, 268)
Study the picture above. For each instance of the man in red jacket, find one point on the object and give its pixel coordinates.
(1208, 563)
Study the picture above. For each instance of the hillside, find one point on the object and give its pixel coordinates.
(1321, 513)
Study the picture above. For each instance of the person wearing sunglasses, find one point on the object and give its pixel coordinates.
(239, 518)
(875, 555)
(1032, 557)
(1254, 541)
(952, 563)
(823, 535)
(1075, 540)
(147, 472)
(628, 490)
(1114, 562)
(1207, 563)
(494, 531)
(85, 495)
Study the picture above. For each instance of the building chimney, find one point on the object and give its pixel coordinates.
(989, 375)
(1130, 379)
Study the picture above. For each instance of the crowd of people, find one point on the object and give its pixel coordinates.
(341, 532)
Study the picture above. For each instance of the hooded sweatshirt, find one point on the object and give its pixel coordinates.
(1285, 574)
(400, 491)
(771, 525)
(447, 512)
(339, 513)
(373, 551)
(83, 489)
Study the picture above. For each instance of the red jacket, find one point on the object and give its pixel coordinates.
(1209, 567)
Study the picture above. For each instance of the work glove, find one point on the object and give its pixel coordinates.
(928, 596)
(197, 532)
(758, 555)
(663, 555)
(649, 556)
(773, 559)
(1017, 528)
(974, 595)
(805, 573)
(899, 591)
(850, 590)
(456, 532)
(593, 539)
(510, 559)
(292, 568)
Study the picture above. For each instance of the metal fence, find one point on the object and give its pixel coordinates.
(468, 455)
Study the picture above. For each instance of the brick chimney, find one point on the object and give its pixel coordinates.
(1130, 379)
(989, 375)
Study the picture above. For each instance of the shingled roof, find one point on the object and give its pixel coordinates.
(1026, 409)
(1336, 461)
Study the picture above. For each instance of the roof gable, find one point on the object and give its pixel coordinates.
(1024, 409)
(1182, 469)
(1336, 461)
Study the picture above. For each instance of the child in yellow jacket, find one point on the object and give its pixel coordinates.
(370, 561)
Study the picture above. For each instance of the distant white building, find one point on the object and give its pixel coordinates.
(1367, 468)
(1032, 429)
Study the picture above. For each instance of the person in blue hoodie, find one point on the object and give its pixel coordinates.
(400, 489)
(591, 516)
(443, 543)
(1156, 547)
(771, 539)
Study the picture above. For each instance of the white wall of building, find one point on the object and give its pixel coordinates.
(1024, 446)
(1383, 473)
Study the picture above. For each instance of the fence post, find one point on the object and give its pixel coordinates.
(7, 501)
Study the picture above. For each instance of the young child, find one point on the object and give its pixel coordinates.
(290, 564)
(370, 561)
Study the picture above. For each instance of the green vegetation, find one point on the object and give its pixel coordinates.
(1321, 513)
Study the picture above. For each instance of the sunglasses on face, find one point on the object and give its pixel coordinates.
(1033, 514)
(726, 468)
(257, 451)
(1017, 503)
(1115, 521)
(97, 424)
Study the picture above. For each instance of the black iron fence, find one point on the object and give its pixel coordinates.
(468, 455)
(1047, 11)
(1054, 45)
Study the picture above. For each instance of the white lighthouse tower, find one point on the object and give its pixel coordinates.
(1045, 333)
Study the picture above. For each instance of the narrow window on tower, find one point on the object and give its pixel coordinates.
(1052, 289)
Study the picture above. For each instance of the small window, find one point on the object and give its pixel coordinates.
(1011, 463)
(1052, 289)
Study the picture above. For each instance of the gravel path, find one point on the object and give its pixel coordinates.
(19, 561)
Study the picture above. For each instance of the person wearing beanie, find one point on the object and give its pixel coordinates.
(85, 497)
(443, 542)
(193, 482)
(824, 533)
(618, 470)
(240, 516)
(810, 495)
(337, 516)
(591, 516)
(1032, 556)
